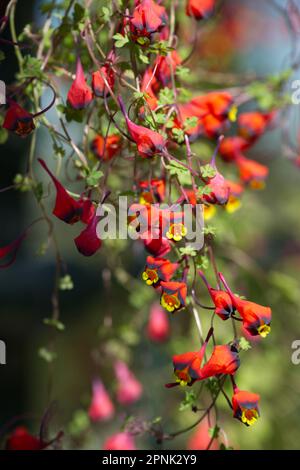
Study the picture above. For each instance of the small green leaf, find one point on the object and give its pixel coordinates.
(47, 355)
(54, 323)
(121, 40)
(244, 344)
(66, 283)
(208, 171)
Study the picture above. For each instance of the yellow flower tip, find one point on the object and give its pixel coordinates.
(249, 416)
(169, 235)
(176, 232)
(182, 377)
(145, 276)
(233, 205)
(170, 302)
(232, 115)
(177, 238)
(209, 212)
(150, 277)
(264, 330)
(257, 184)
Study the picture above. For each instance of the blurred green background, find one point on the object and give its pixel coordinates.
(258, 248)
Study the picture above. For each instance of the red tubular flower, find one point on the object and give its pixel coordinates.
(221, 299)
(11, 249)
(218, 187)
(66, 207)
(21, 439)
(187, 365)
(156, 244)
(252, 172)
(256, 318)
(120, 441)
(173, 295)
(158, 269)
(165, 66)
(148, 18)
(112, 146)
(152, 191)
(224, 360)
(80, 95)
(148, 84)
(87, 242)
(101, 407)
(253, 124)
(232, 147)
(200, 9)
(105, 74)
(149, 143)
(158, 327)
(245, 406)
(129, 389)
(18, 120)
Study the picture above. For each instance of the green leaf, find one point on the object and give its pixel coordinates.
(94, 177)
(177, 169)
(182, 72)
(214, 432)
(47, 355)
(178, 135)
(166, 96)
(208, 171)
(210, 230)
(188, 250)
(54, 323)
(66, 283)
(244, 344)
(190, 123)
(189, 401)
(121, 40)
(79, 13)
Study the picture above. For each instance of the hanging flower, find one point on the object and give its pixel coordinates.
(10, 250)
(88, 242)
(173, 295)
(224, 360)
(103, 77)
(21, 439)
(252, 172)
(80, 95)
(112, 145)
(152, 191)
(149, 143)
(253, 124)
(245, 406)
(66, 207)
(158, 327)
(120, 441)
(200, 9)
(256, 318)
(232, 147)
(129, 389)
(158, 269)
(101, 407)
(223, 304)
(148, 18)
(235, 192)
(18, 120)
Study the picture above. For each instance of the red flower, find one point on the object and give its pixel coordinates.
(158, 269)
(173, 295)
(224, 360)
(149, 143)
(112, 146)
(120, 441)
(101, 407)
(165, 66)
(236, 190)
(152, 191)
(232, 147)
(11, 249)
(148, 84)
(88, 242)
(105, 74)
(80, 95)
(21, 439)
(156, 244)
(217, 185)
(158, 327)
(245, 406)
(129, 389)
(200, 9)
(221, 299)
(148, 18)
(256, 318)
(252, 172)
(253, 124)
(66, 207)
(18, 120)
(187, 365)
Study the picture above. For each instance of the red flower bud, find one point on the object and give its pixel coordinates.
(129, 389)
(103, 77)
(80, 95)
(158, 327)
(148, 18)
(101, 407)
(120, 441)
(21, 439)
